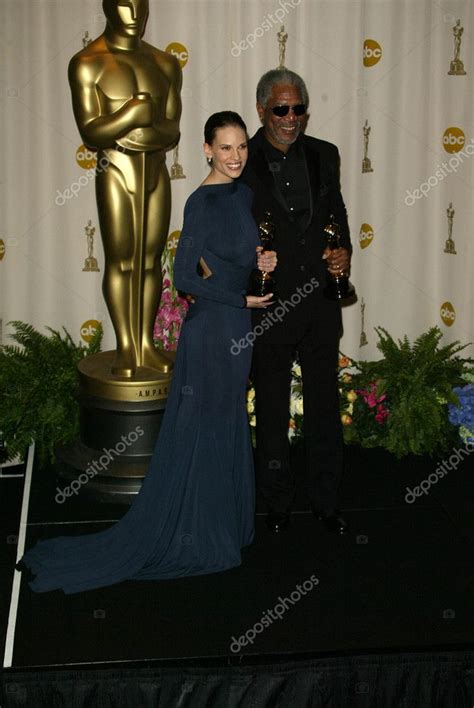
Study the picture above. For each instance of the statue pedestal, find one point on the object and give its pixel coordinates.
(456, 68)
(96, 379)
(366, 165)
(119, 423)
(449, 247)
(91, 265)
(176, 171)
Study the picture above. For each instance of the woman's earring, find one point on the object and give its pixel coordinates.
(209, 160)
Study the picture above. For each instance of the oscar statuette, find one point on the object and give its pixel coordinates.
(338, 287)
(450, 246)
(261, 282)
(363, 336)
(176, 171)
(366, 162)
(126, 102)
(90, 263)
(456, 67)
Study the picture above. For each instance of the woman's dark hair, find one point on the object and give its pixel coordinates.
(221, 120)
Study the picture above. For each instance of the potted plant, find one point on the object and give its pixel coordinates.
(38, 379)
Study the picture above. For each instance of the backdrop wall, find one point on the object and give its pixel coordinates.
(379, 64)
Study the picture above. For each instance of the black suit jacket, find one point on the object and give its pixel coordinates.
(299, 245)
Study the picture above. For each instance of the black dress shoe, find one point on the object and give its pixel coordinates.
(23, 568)
(333, 521)
(277, 521)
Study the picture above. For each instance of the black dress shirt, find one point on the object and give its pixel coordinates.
(291, 178)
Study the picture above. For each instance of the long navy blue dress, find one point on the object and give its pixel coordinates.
(195, 510)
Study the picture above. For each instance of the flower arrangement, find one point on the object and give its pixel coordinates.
(364, 406)
(402, 399)
(347, 394)
(172, 308)
(295, 426)
(405, 402)
(251, 412)
(462, 413)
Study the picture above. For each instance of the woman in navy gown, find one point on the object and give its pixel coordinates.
(195, 510)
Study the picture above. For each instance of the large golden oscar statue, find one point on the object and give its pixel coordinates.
(126, 101)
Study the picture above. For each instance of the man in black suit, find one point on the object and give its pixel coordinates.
(296, 178)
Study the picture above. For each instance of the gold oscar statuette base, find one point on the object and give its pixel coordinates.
(456, 68)
(449, 247)
(366, 165)
(176, 172)
(91, 265)
(119, 422)
(96, 379)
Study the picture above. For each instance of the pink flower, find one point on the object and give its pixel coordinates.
(381, 415)
(370, 396)
(371, 400)
(171, 312)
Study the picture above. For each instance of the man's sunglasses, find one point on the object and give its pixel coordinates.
(281, 111)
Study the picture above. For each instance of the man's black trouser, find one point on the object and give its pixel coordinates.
(317, 347)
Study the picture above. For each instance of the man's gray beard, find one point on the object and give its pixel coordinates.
(288, 141)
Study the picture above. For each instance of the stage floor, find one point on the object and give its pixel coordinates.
(402, 579)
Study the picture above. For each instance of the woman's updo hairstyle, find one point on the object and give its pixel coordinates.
(221, 120)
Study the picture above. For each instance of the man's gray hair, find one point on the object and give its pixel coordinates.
(280, 76)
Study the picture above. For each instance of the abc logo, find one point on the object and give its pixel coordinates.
(2, 249)
(372, 52)
(448, 314)
(453, 139)
(172, 241)
(179, 51)
(366, 235)
(88, 329)
(85, 158)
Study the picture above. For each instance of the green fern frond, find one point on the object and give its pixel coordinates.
(38, 378)
(418, 380)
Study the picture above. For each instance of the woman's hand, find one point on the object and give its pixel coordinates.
(266, 260)
(254, 301)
